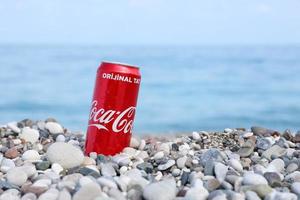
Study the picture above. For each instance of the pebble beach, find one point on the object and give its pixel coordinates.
(44, 160)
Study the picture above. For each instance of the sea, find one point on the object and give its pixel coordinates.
(183, 88)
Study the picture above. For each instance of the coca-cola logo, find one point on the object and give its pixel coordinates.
(121, 121)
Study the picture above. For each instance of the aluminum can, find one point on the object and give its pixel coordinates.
(113, 108)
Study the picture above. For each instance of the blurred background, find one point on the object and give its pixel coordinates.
(206, 65)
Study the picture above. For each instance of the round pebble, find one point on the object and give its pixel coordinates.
(16, 176)
(30, 135)
(65, 154)
(31, 156)
(54, 128)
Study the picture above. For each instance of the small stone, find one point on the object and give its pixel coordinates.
(88, 192)
(108, 170)
(211, 154)
(90, 171)
(64, 195)
(54, 128)
(209, 168)
(295, 187)
(195, 135)
(247, 134)
(277, 165)
(275, 150)
(106, 182)
(196, 193)
(235, 164)
(260, 190)
(254, 179)
(57, 168)
(273, 178)
(181, 162)
(121, 159)
(247, 149)
(167, 165)
(147, 167)
(43, 165)
(51, 194)
(166, 190)
(275, 195)
(250, 195)
(13, 126)
(164, 147)
(158, 155)
(220, 171)
(176, 172)
(60, 138)
(67, 155)
(263, 143)
(31, 156)
(260, 131)
(29, 196)
(212, 184)
(12, 153)
(7, 164)
(88, 161)
(292, 167)
(293, 177)
(134, 143)
(11, 194)
(29, 169)
(123, 169)
(30, 135)
(16, 176)
(184, 177)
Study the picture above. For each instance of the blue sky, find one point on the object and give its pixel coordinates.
(150, 21)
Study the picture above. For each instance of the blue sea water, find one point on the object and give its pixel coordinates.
(184, 88)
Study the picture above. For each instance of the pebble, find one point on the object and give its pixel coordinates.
(30, 135)
(16, 176)
(57, 168)
(121, 159)
(88, 192)
(12, 153)
(275, 150)
(60, 138)
(275, 195)
(31, 156)
(263, 143)
(158, 155)
(167, 165)
(65, 154)
(247, 149)
(250, 195)
(180, 162)
(212, 184)
(220, 171)
(43, 165)
(163, 190)
(196, 193)
(176, 172)
(211, 154)
(295, 187)
(293, 177)
(108, 170)
(235, 164)
(7, 164)
(147, 167)
(292, 167)
(54, 128)
(106, 182)
(29, 196)
(196, 135)
(277, 165)
(273, 178)
(134, 143)
(254, 179)
(13, 126)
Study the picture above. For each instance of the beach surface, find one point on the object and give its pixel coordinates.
(44, 160)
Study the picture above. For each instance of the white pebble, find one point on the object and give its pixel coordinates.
(254, 179)
(65, 154)
(13, 126)
(60, 138)
(296, 187)
(16, 176)
(7, 164)
(31, 156)
(235, 164)
(158, 155)
(54, 128)
(30, 135)
(196, 135)
(88, 192)
(57, 168)
(134, 143)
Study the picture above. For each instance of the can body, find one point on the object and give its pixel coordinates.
(113, 108)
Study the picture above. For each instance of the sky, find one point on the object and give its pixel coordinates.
(150, 22)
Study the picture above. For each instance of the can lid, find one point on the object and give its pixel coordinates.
(119, 63)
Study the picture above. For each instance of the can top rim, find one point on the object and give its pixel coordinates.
(120, 63)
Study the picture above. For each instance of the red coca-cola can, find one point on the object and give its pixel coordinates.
(113, 108)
